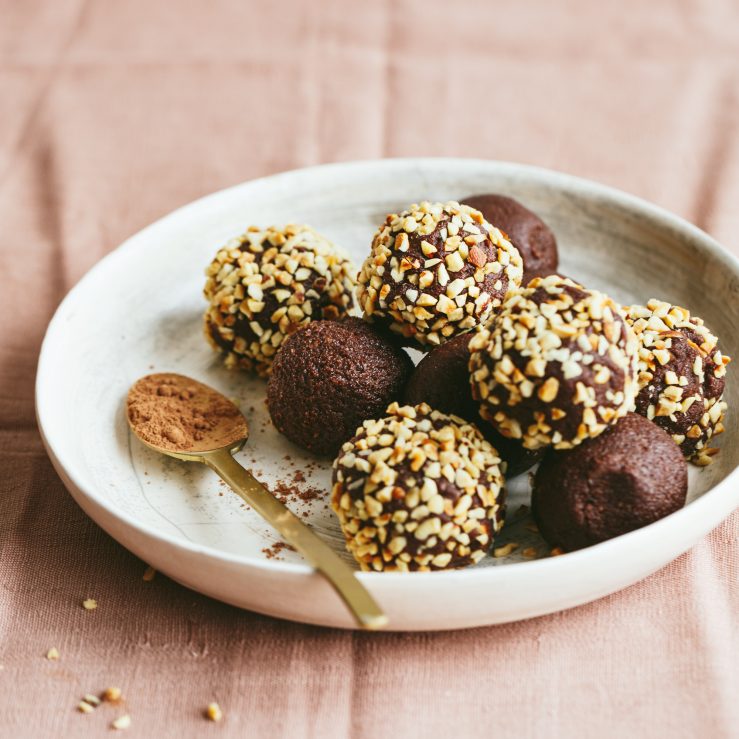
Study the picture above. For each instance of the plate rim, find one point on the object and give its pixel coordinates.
(709, 507)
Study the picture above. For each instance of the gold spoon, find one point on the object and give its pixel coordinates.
(187, 420)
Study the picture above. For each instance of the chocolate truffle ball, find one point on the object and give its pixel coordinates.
(442, 379)
(436, 270)
(557, 366)
(681, 376)
(532, 237)
(630, 476)
(417, 490)
(265, 284)
(330, 376)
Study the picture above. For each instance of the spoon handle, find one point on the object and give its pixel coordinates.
(357, 598)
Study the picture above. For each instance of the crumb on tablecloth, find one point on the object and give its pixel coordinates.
(214, 712)
(122, 722)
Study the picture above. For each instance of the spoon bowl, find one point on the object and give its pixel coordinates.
(183, 418)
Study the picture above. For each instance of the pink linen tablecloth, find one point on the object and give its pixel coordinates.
(114, 113)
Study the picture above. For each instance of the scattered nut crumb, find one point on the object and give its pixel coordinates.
(85, 707)
(505, 550)
(529, 552)
(149, 574)
(53, 654)
(93, 700)
(90, 604)
(214, 712)
(122, 722)
(112, 695)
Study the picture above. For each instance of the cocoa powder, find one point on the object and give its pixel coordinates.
(182, 415)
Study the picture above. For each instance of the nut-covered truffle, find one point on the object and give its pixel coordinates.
(557, 366)
(442, 380)
(681, 376)
(264, 284)
(330, 376)
(534, 240)
(630, 476)
(436, 270)
(417, 490)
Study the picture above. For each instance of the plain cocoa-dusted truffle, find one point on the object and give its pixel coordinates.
(442, 380)
(534, 240)
(556, 367)
(681, 376)
(330, 376)
(418, 490)
(628, 477)
(436, 270)
(265, 284)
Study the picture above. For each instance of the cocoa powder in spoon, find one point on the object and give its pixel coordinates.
(178, 413)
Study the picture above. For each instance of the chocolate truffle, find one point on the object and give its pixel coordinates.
(681, 376)
(329, 377)
(436, 270)
(532, 237)
(265, 284)
(442, 379)
(630, 476)
(557, 366)
(417, 490)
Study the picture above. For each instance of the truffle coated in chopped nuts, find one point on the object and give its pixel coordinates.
(442, 380)
(436, 270)
(681, 376)
(417, 490)
(532, 237)
(265, 284)
(557, 366)
(628, 477)
(329, 377)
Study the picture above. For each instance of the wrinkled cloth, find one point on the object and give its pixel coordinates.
(114, 113)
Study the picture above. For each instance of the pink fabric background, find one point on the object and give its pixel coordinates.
(114, 113)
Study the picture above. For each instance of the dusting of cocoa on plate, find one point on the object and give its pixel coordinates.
(290, 490)
(276, 549)
(177, 413)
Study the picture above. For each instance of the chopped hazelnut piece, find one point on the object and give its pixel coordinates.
(112, 695)
(214, 712)
(505, 550)
(122, 722)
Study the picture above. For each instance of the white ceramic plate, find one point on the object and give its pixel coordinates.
(139, 310)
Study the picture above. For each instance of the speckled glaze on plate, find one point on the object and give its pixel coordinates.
(139, 310)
